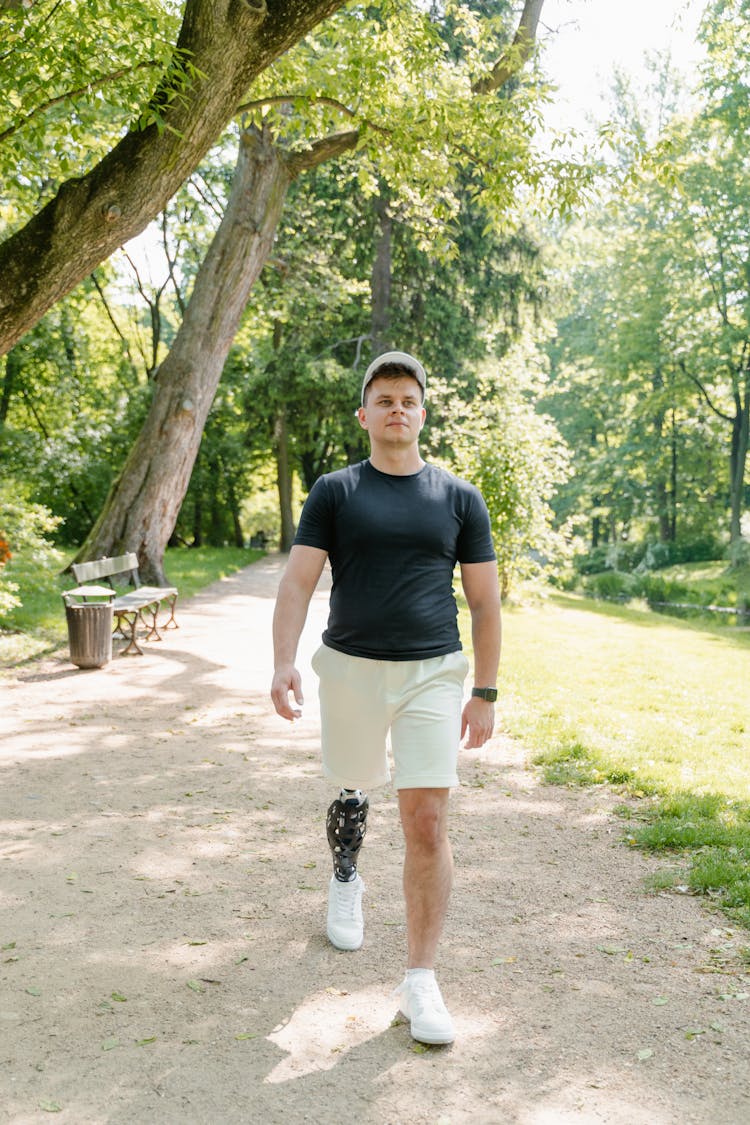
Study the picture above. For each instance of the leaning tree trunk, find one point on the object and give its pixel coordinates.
(141, 509)
(227, 44)
(144, 502)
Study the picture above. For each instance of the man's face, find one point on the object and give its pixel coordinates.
(393, 414)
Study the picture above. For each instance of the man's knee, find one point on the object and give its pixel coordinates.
(424, 819)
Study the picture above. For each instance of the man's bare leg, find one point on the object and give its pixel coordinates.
(428, 870)
(428, 875)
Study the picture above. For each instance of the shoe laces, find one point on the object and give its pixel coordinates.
(424, 992)
(347, 898)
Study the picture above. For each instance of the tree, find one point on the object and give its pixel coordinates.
(144, 502)
(652, 364)
(517, 458)
(221, 47)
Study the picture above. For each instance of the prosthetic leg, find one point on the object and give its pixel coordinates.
(345, 826)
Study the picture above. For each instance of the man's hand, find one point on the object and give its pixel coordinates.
(479, 719)
(287, 679)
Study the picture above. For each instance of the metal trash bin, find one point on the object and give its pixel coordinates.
(88, 610)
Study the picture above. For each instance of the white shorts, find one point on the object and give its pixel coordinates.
(417, 701)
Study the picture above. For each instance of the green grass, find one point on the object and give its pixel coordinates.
(709, 578)
(38, 626)
(659, 707)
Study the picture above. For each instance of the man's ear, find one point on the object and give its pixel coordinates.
(361, 414)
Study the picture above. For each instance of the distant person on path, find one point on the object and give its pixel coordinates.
(393, 528)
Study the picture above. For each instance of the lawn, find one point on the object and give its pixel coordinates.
(660, 707)
(660, 701)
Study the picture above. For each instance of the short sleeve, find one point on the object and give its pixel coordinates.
(474, 544)
(316, 520)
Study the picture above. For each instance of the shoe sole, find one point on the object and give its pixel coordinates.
(433, 1041)
(429, 1040)
(348, 948)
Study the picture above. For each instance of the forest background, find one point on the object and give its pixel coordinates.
(323, 186)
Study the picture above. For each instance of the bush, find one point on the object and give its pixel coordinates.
(24, 527)
(612, 585)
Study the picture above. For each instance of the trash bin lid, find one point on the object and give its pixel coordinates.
(89, 592)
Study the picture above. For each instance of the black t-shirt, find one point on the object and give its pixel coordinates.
(393, 543)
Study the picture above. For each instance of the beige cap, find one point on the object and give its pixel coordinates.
(399, 359)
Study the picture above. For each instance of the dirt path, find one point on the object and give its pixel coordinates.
(162, 892)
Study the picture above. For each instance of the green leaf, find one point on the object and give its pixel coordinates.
(196, 986)
(34, 990)
(645, 1053)
(145, 1042)
(110, 1044)
(51, 1107)
(118, 996)
(248, 1035)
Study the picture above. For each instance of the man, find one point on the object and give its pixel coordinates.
(393, 528)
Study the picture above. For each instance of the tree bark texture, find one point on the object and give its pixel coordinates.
(380, 282)
(284, 479)
(229, 42)
(738, 463)
(143, 504)
(13, 367)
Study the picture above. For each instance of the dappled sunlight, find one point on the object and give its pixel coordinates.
(326, 1026)
(164, 895)
(329, 1025)
(29, 750)
(572, 1105)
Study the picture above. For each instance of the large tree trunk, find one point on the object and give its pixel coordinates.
(737, 465)
(284, 479)
(144, 502)
(141, 509)
(380, 281)
(228, 43)
(13, 368)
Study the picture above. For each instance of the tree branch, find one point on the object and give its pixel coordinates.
(220, 49)
(326, 148)
(312, 99)
(113, 322)
(519, 51)
(90, 87)
(707, 398)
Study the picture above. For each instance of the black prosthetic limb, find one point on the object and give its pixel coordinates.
(345, 825)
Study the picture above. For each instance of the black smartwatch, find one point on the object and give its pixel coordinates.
(488, 693)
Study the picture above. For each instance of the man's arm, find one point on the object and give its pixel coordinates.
(297, 586)
(482, 592)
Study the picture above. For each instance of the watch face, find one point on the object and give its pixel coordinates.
(487, 693)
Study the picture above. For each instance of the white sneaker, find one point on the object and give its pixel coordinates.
(420, 1001)
(345, 925)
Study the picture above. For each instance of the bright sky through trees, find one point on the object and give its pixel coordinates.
(586, 40)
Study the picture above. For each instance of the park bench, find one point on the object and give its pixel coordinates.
(128, 608)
